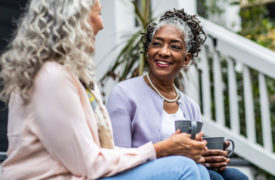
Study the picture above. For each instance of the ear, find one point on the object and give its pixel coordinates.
(187, 59)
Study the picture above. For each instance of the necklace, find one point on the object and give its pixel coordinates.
(168, 100)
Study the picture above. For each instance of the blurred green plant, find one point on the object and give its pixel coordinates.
(256, 25)
(208, 8)
(131, 62)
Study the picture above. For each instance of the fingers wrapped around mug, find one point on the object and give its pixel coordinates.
(224, 167)
(216, 159)
(194, 150)
(226, 144)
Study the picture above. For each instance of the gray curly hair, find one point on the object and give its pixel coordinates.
(189, 25)
(50, 30)
(181, 25)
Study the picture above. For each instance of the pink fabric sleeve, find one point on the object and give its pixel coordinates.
(62, 128)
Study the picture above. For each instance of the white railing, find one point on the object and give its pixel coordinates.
(226, 65)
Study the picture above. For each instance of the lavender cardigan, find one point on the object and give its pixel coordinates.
(135, 111)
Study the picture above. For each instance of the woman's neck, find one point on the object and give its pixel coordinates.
(166, 86)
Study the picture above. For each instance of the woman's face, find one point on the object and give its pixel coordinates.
(167, 52)
(95, 17)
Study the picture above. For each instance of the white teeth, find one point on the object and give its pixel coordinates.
(161, 62)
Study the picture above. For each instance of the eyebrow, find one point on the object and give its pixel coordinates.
(173, 40)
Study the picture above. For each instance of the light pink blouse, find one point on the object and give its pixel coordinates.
(55, 136)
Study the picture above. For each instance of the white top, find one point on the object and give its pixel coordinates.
(168, 122)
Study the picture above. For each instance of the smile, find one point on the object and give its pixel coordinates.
(162, 63)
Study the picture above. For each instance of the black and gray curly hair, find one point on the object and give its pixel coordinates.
(50, 30)
(189, 25)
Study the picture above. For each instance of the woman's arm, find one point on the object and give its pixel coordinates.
(119, 111)
(182, 144)
(62, 128)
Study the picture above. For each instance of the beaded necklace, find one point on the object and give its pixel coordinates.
(168, 100)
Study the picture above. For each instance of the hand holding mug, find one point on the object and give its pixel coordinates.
(181, 144)
(216, 157)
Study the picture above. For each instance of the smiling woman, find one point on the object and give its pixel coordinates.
(142, 109)
(145, 108)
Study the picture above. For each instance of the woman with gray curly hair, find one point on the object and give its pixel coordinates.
(145, 108)
(58, 127)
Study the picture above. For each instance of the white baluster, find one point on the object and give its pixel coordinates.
(249, 106)
(191, 83)
(218, 89)
(265, 114)
(233, 98)
(206, 94)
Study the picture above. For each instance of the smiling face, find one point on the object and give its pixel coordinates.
(167, 53)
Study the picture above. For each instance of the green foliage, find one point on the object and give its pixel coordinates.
(211, 7)
(256, 25)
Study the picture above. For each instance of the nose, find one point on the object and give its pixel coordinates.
(164, 51)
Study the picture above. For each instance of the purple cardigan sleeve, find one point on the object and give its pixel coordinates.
(119, 109)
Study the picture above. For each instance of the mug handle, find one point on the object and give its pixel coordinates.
(233, 147)
(193, 129)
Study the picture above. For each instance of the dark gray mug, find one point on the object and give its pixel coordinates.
(190, 127)
(218, 143)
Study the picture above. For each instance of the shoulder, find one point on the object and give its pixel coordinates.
(52, 74)
(125, 91)
(51, 70)
(129, 85)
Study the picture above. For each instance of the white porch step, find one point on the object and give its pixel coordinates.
(243, 165)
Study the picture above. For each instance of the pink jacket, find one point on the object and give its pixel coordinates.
(55, 136)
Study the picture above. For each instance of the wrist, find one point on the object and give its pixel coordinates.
(161, 148)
